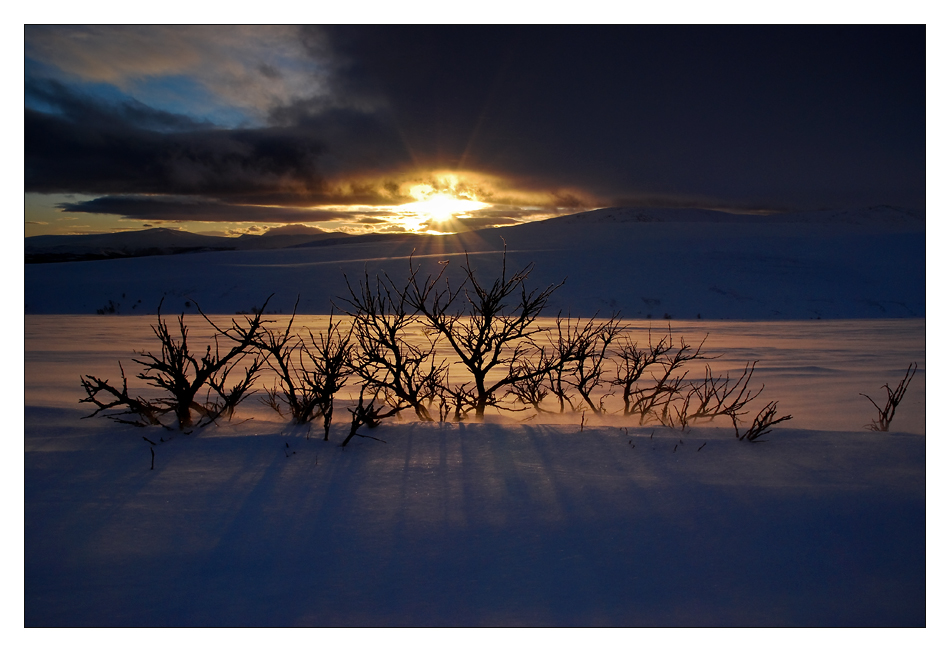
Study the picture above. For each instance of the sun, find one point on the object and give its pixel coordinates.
(441, 206)
(432, 204)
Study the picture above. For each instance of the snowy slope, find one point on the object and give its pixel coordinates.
(161, 241)
(646, 264)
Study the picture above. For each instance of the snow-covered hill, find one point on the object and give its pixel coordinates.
(160, 242)
(881, 216)
(644, 263)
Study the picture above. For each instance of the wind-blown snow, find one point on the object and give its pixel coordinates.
(501, 523)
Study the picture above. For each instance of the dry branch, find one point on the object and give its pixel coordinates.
(763, 422)
(370, 415)
(894, 396)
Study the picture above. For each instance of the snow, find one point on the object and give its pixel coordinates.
(471, 525)
(862, 264)
(501, 523)
(519, 520)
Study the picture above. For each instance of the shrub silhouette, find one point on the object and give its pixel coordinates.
(183, 375)
(384, 358)
(511, 361)
(308, 376)
(489, 327)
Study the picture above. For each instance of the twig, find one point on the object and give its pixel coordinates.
(886, 414)
(763, 422)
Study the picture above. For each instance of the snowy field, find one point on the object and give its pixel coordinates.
(520, 520)
(501, 523)
(681, 263)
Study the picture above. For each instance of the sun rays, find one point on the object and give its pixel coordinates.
(436, 205)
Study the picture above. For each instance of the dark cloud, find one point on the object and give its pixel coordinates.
(269, 71)
(65, 156)
(788, 115)
(83, 109)
(81, 144)
(184, 209)
(748, 117)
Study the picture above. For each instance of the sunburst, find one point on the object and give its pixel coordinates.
(435, 205)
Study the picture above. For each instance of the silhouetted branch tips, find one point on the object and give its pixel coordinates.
(894, 396)
(763, 422)
(384, 358)
(370, 415)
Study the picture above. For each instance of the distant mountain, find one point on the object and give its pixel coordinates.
(161, 241)
(158, 242)
(294, 229)
(157, 237)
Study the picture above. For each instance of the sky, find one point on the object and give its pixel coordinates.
(439, 129)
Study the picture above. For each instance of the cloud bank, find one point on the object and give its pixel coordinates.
(276, 123)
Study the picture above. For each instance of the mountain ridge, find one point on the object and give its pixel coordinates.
(164, 241)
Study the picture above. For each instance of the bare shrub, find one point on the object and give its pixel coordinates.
(581, 351)
(142, 412)
(894, 396)
(653, 399)
(291, 390)
(383, 358)
(716, 397)
(308, 376)
(331, 356)
(488, 327)
(184, 375)
(531, 386)
(632, 362)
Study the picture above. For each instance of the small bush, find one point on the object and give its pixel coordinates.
(183, 375)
